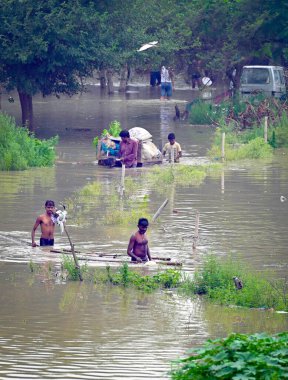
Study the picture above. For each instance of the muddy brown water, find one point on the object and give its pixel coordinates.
(53, 330)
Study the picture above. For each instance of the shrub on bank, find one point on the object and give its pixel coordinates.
(215, 281)
(20, 150)
(238, 357)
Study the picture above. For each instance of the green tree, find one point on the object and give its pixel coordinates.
(46, 46)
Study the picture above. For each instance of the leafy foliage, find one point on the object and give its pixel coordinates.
(114, 130)
(167, 279)
(215, 281)
(237, 357)
(68, 264)
(20, 150)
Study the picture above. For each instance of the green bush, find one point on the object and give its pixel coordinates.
(20, 150)
(201, 113)
(237, 357)
(215, 281)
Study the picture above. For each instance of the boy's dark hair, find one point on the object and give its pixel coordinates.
(143, 222)
(124, 133)
(171, 136)
(49, 203)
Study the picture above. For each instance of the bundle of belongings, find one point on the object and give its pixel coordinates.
(147, 150)
(109, 146)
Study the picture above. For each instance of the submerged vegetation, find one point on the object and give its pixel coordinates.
(20, 150)
(123, 276)
(136, 202)
(215, 281)
(239, 356)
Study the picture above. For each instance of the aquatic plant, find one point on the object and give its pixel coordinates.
(68, 264)
(20, 150)
(215, 281)
(127, 216)
(92, 189)
(239, 357)
(124, 276)
(184, 175)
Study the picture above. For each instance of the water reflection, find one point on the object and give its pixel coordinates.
(52, 330)
(80, 330)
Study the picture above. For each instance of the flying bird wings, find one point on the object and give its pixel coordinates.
(147, 46)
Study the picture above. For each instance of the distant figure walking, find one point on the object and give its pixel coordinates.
(167, 83)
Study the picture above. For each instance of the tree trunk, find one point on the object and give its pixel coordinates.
(110, 82)
(102, 77)
(124, 76)
(27, 110)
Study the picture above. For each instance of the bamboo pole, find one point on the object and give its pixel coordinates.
(266, 129)
(223, 147)
(74, 254)
(222, 182)
(196, 232)
(158, 212)
(122, 182)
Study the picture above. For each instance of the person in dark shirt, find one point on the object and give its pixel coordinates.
(128, 150)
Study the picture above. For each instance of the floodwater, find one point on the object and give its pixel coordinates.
(53, 330)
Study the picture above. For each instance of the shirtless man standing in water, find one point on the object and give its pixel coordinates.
(47, 226)
(138, 248)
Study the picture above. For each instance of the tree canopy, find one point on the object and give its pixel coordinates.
(48, 46)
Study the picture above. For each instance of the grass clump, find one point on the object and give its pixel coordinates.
(20, 150)
(238, 357)
(68, 265)
(215, 281)
(200, 113)
(93, 189)
(239, 147)
(184, 175)
(167, 279)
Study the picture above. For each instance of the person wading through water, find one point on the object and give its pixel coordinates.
(138, 248)
(47, 226)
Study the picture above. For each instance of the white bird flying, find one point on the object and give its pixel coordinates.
(283, 199)
(147, 46)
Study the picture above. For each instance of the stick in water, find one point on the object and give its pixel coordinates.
(74, 254)
(196, 233)
(159, 210)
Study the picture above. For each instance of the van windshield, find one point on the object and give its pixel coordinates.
(255, 76)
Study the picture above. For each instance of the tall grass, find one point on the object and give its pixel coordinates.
(20, 150)
(126, 277)
(215, 281)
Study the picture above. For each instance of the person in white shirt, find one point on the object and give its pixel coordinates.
(167, 83)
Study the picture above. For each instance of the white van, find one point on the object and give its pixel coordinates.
(268, 80)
